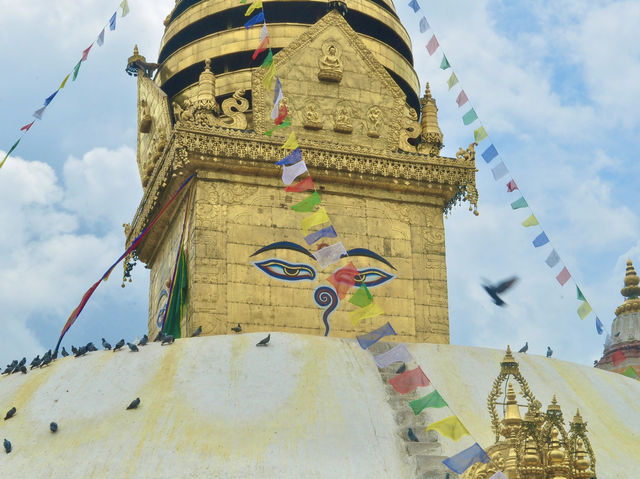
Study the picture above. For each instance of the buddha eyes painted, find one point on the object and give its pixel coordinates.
(284, 271)
(372, 277)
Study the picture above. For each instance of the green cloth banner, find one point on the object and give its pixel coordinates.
(362, 297)
(307, 204)
(519, 203)
(630, 373)
(433, 399)
(444, 64)
(178, 298)
(15, 145)
(76, 69)
(580, 295)
(469, 117)
(268, 60)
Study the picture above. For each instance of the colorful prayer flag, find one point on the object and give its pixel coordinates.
(499, 170)
(480, 134)
(519, 203)
(100, 39)
(291, 143)
(269, 76)
(579, 294)
(362, 297)
(462, 98)
(282, 114)
(303, 185)
(618, 357)
(276, 99)
(414, 4)
(433, 45)
(330, 254)
(284, 124)
(369, 339)
(177, 302)
(267, 62)
(263, 32)
(584, 309)
(540, 240)
(50, 98)
(511, 186)
(38, 113)
(112, 21)
(453, 79)
(64, 82)
(26, 127)
(15, 145)
(343, 279)
(409, 381)
(450, 427)
(552, 259)
(563, 276)
(433, 400)
(85, 53)
(258, 18)
(469, 117)
(444, 64)
(530, 221)
(307, 204)
(314, 219)
(255, 5)
(328, 232)
(397, 354)
(489, 154)
(293, 157)
(76, 69)
(370, 311)
(262, 47)
(467, 458)
(599, 326)
(291, 172)
(630, 373)
(424, 25)
(125, 8)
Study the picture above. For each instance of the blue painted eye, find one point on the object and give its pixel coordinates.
(283, 271)
(372, 277)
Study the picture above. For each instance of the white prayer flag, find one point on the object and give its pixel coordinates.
(398, 354)
(290, 173)
(330, 254)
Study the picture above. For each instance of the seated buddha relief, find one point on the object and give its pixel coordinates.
(330, 64)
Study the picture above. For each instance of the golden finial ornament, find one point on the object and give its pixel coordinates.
(431, 135)
(631, 291)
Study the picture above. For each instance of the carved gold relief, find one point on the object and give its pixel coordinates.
(374, 122)
(330, 64)
(200, 113)
(342, 119)
(145, 120)
(469, 154)
(312, 119)
(410, 130)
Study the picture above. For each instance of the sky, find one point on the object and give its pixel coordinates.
(555, 84)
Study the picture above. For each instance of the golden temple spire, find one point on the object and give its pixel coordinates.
(631, 291)
(431, 135)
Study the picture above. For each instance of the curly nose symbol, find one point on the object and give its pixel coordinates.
(327, 298)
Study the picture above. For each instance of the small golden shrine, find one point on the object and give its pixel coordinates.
(538, 446)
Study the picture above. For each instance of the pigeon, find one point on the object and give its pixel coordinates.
(133, 347)
(402, 368)
(81, 351)
(22, 369)
(143, 341)
(159, 337)
(55, 355)
(118, 345)
(549, 352)
(7, 446)
(10, 413)
(105, 344)
(36, 362)
(494, 290)
(134, 404)
(412, 435)
(64, 352)
(237, 329)
(595, 361)
(22, 362)
(167, 339)
(9, 369)
(617, 334)
(524, 348)
(74, 350)
(53, 426)
(91, 347)
(197, 332)
(45, 360)
(265, 341)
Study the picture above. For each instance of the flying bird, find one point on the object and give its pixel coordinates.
(53, 426)
(133, 347)
(197, 332)
(412, 435)
(549, 352)
(10, 413)
(167, 339)
(237, 329)
(265, 341)
(64, 352)
(494, 290)
(134, 404)
(119, 344)
(105, 344)
(143, 341)
(524, 348)
(7, 446)
(402, 368)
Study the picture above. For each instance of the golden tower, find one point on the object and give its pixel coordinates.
(370, 143)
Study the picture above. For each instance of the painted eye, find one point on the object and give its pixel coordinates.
(278, 269)
(161, 311)
(372, 277)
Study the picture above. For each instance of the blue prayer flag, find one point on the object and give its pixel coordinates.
(540, 240)
(424, 25)
(489, 154)
(599, 325)
(50, 98)
(258, 18)
(112, 21)
(328, 232)
(373, 337)
(293, 157)
(414, 4)
(467, 458)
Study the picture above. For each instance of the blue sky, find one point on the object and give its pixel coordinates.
(556, 85)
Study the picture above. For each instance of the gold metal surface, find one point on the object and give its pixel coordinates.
(631, 291)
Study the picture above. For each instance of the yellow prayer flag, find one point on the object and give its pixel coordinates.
(269, 76)
(252, 7)
(291, 143)
(584, 309)
(316, 218)
(450, 427)
(480, 134)
(370, 311)
(64, 82)
(530, 221)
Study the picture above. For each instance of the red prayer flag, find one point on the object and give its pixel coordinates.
(282, 114)
(304, 185)
(563, 276)
(262, 47)
(344, 279)
(85, 54)
(433, 45)
(618, 357)
(511, 186)
(462, 99)
(408, 381)
(26, 127)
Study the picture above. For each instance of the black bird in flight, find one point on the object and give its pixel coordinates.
(133, 347)
(237, 329)
(197, 332)
(10, 413)
(105, 344)
(265, 341)
(167, 339)
(53, 426)
(143, 341)
(134, 404)
(119, 344)
(7, 446)
(494, 290)
(412, 435)
(549, 351)
(524, 348)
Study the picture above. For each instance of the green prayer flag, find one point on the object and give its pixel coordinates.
(268, 60)
(444, 64)
(469, 117)
(580, 295)
(243, 1)
(178, 299)
(15, 145)
(530, 221)
(519, 203)
(285, 123)
(584, 309)
(433, 399)
(308, 203)
(362, 297)
(76, 69)
(480, 134)
(453, 79)
(630, 373)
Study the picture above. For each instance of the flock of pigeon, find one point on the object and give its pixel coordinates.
(50, 356)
